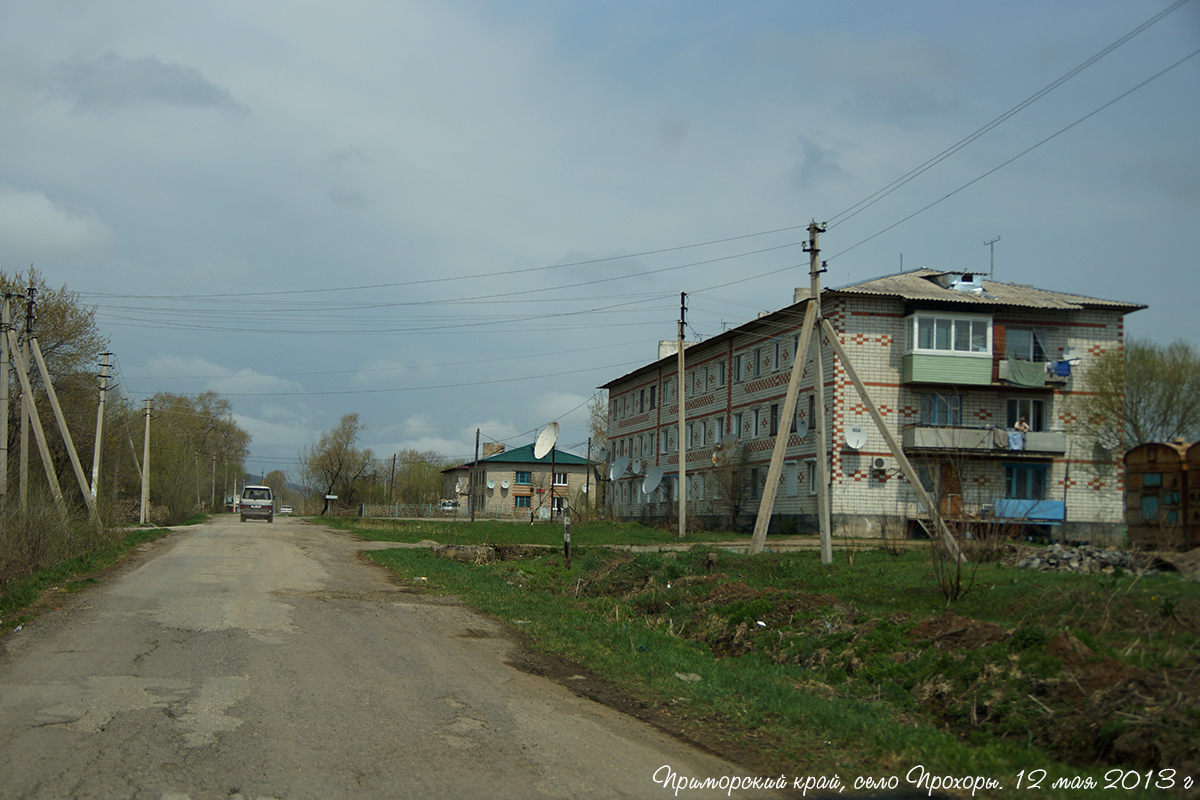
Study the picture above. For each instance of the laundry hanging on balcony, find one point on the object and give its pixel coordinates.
(1031, 374)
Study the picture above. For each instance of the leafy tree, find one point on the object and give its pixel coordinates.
(71, 344)
(334, 465)
(598, 430)
(1148, 393)
(194, 442)
(418, 478)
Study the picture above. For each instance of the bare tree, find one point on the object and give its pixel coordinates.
(334, 465)
(1148, 393)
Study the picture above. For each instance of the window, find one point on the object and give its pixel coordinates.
(737, 426)
(1032, 410)
(557, 503)
(524, 478)
(754, 482)
(757, 361)
(941, 409)
(523, 501)
(775, 419)
(641, 401)
(662, 439)
(720, 373)
(1149, 508)
(775, 361)
(949, 335)
(813, 485)
(667, 391)
(560, 479)
(739, 368)
(1026, 344)
(1025, 481)
(1152, 479)
(653, 400)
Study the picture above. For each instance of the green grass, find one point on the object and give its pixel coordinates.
(18, 594)
(519, 533)
(819, 684)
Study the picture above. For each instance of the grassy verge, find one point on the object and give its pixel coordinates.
(857, 668)
(70, 576)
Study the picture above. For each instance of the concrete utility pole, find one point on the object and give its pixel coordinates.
(144, 516)
(99, 427)
(767, 506)
(471, 482)
(682, 415)
(64, 430)
(36, 423)
(26, 404)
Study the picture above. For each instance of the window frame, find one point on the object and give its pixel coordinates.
(952, 404)
(528, 478)
(1019, 482)
(913, 334)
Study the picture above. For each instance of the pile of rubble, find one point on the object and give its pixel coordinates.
(1088, 558)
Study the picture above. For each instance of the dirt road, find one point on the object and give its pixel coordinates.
(261, 660)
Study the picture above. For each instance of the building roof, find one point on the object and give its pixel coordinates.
(937, 286)
(524, 455)
(931, 286)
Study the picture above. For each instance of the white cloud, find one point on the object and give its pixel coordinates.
(112, 82)
(32, 223)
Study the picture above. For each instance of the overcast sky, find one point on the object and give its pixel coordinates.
(461, 214)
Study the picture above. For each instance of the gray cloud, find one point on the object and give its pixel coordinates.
(814, 163)
(110, 83)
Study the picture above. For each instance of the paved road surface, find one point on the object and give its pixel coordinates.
(261, 660)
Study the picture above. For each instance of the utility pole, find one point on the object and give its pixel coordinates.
(392, 479)
(99, 427)
(823, 511)
(26, 404)
(5, 324)
(682, 414)
(767, 505)
(474, 467)
(587, 478)
(144, 516)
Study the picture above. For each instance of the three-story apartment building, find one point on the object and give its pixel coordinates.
(958, 367)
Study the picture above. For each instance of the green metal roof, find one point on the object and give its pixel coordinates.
(524, 455)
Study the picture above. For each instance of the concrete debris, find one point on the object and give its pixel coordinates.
(1088, 558)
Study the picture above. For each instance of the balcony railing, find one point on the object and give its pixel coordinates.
(995, 440)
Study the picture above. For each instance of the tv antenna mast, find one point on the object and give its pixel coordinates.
(990, 244)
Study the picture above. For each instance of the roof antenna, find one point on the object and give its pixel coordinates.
(991, 245)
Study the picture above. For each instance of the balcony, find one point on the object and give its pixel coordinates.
(980, 440)
(1029, 374)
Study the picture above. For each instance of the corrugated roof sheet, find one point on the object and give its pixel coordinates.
(922, 284)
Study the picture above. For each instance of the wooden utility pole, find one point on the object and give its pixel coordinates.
(392, 479)
(144, 515)
(682, 392)
(587, 478)
(100, 427)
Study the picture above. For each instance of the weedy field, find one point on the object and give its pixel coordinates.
(862, 666)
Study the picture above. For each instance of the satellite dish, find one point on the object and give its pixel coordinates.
(618, 467)
(585, 489)
(545, 440)
(636, 467)
(503, 484)
(491, 484)
(802, 427)
(654, 477)
(856, 437)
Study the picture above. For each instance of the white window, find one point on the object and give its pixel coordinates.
(560, 479)
(739, 368)
(811, 467)
(946, 334)
(775, 362)
(720, 373)
(662, 438)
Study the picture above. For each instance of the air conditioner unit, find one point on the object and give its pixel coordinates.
(878, 463)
